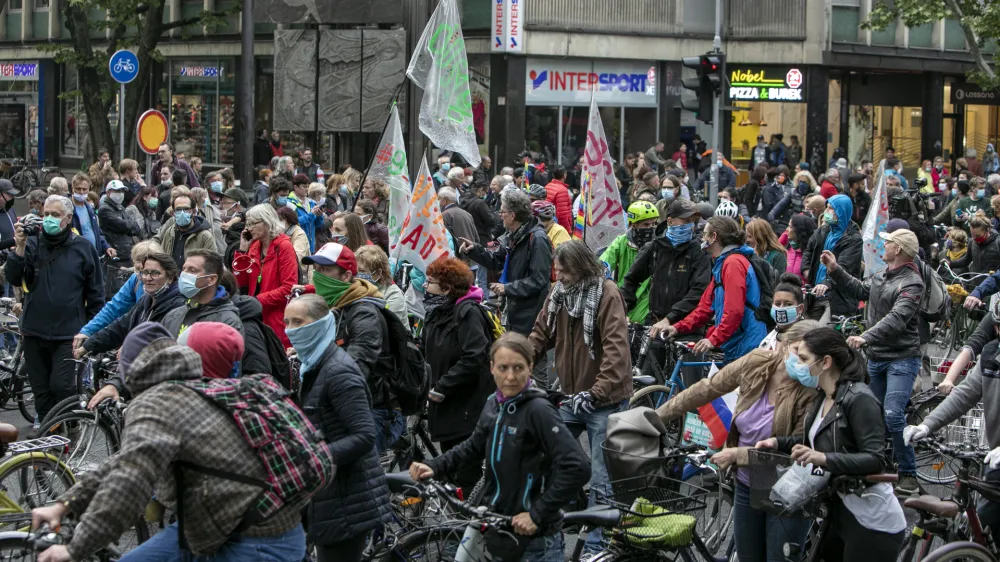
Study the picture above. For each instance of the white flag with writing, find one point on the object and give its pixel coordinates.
(423, 238)
(441, 69)
(390, 166)
(603, 215)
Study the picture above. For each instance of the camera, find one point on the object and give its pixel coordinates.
(31, 225)
(920, 182)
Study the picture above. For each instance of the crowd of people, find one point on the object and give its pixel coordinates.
(524, 331)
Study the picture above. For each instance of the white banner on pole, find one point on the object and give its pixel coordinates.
(604, 217)
(423, 238)
(390, 166)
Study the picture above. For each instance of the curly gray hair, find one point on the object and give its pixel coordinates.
(516, 201)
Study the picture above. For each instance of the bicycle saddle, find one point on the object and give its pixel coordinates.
(933, 505)
(597, 516)
(644, 380)
(8, 433)
(399, 482)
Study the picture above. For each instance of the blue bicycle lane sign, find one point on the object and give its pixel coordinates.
(124, 66)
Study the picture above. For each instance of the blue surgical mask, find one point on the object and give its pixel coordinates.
(310, 341)
(954, 192)
(182, 218)
(445, 167)
(216, 186)
(719, 164)
(680, 234)
(800, 372)
(187, 284)
(365, 276)
(980, 193)
(81, 197)
(52, 225)
(282, 201)
(667, 194)
(784, 315)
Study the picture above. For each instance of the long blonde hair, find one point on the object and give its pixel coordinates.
(760, 231)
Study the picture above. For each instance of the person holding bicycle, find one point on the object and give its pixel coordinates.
(985, 333)
(730, 299)
(893, 338)
(525, 444)
(844, 434)
(787, 308)
(771, 403)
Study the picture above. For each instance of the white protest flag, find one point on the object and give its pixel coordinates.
(603, 215)
(390, 166)
(422, 237)
(873, 246)
(441, 69)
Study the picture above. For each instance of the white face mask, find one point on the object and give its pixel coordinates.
(117, 197)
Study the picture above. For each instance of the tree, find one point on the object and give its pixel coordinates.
(123, 24)
(980, 20)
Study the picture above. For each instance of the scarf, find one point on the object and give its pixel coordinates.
(501, 398)
(53, 240)
(844, 208)
(310, 341)
(329, 288)
(579, 300)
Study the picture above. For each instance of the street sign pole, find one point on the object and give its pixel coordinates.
(124, 67)
(121, 123)
(716, 111)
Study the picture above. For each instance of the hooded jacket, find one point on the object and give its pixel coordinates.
(176, 243)
(308, 220)
(557, 193)
(677, 275)
(338, 402)
(456, 342)
(981, 258)
(166, 423)
(728, 303)
(991, 163)
(255, 359)
(119, 229)
(848, 254)
(525, 260)
(620, 256)
(892, 298)
(533, 464)
(219, 309)
(276, 275)
(150, 308)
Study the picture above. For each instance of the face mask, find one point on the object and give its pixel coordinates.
(9, 204)
(310, 341)
(954, 192)
(216, 186)
(938, 167)
(339, 239)
(642, 236)
(947, 244)
(780, 179)
(784, 315)
(117, 197)
(794, 244)
(187, 283)
(803, 187)
(705, 244)
(432, 301)
(52, 225)
(153, 203)
(830, 217)
(719, 165)
(927, 169)
(445, 167)
(182, 218)
(680, 234)
(329, 288)
(980, 193)
(321, 201)
(366, 276)
(667, 194)
(35, 212)
(365, 218)
(282, 201)
(81, 197)
(799, 372)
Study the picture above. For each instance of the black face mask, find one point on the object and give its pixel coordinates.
(642, 236)
(9, 204)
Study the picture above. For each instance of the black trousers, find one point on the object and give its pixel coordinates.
(52, 376)
(848, 541)
(350, 550)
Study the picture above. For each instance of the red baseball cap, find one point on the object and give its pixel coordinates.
(334, 254)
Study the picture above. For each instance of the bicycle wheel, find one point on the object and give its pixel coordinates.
(932, 467)
(28, 481)
(16, 549)
(715, 522)
(960, 552)
(91, 440)
(431, 545)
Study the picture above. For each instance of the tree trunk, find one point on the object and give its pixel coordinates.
(92, 85)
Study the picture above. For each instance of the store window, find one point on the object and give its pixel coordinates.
(898, 127)
(76, 133)
(542, 131)
(15, 5)
(202, 109)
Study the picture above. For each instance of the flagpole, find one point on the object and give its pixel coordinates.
(388, 118)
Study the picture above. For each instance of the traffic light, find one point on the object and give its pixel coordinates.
(706, 85)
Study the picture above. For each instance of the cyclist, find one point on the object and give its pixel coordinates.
(985, 333)
(772, 403)
(729, 209)
(730, 299)
(983, 255)
(893, 339)
(621, 254)
(787, 308)
(536, 474)
(843, 433)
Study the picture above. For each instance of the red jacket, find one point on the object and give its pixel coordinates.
(681, 158)
(557, 193)
(828, 190)
(734, 279)
(281, 271)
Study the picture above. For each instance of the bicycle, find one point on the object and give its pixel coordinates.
(17, 546)
(14, 384)
(30, 476)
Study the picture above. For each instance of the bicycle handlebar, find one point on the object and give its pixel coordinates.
(431, 487)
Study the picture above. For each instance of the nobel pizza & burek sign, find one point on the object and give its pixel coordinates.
(766, 83)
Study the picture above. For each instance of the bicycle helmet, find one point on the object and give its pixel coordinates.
(727, 209)
(640, 211)
(544, 210)
(536, 191)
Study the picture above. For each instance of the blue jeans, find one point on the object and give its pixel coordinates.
(752, 524)
(163, 547)
(481, 277)
(596, 425)
(545, 549)
(389, 425)
(892, 383)
(9, 340)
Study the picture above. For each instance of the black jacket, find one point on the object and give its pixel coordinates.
(219, 309)
(261, 152)
(680, 275)
(529, 272)
(65, 284)
(336, 400)
(150, 308)
(482, 176)
(533, 463)
(484, 218)
(456, 340)
(892, 299)
(119, 230)
(981, 258)
(852, 434)
(848, 253)
(363, 333)
(255, 358)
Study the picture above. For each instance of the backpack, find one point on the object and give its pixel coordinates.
(281, 367)
(935, 304)
(405, 373)
(492, 321)
(765, 274)
(294, 454)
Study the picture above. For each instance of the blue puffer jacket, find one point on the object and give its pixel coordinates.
(120, 304)
(308, 220)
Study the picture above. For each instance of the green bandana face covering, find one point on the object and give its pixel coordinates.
(329, 288)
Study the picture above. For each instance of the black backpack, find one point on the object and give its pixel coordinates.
(281, 368)
(406, 376)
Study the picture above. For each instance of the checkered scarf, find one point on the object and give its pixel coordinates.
(579, 300)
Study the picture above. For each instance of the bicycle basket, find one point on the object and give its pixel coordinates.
(940, 365)
(655, 511)
(765, 470)
(968, 430)
(622, 465)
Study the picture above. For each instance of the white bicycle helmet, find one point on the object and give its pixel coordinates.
(727, 209)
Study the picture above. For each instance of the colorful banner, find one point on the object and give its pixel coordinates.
(440, 67)
(423, 238)
(875, 224)
(390, 166)
(604, 217)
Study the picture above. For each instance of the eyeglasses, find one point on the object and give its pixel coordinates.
(505, 212)
(252, 224)
(152, 274)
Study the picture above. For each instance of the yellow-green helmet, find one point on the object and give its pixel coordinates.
(640, 211)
